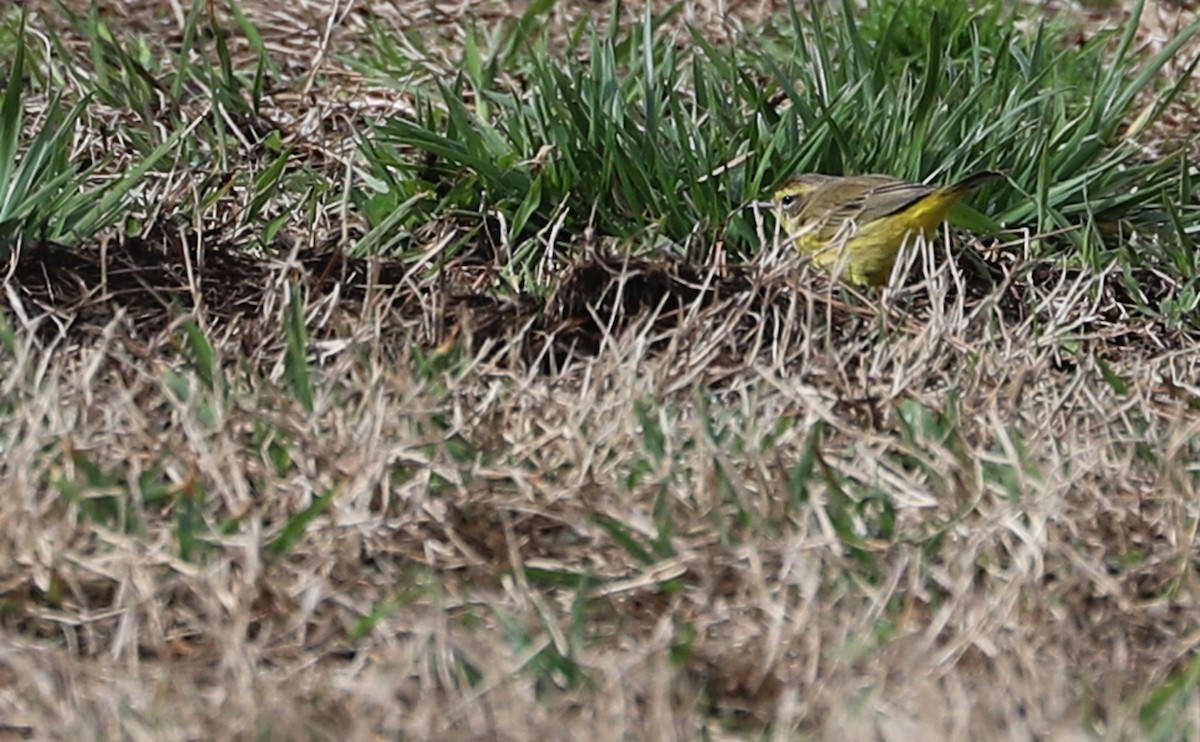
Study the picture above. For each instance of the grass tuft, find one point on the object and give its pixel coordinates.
(638, 136)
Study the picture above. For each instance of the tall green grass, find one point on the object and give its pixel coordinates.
(196, 110)
(543, 143)
(45, 192)
(625, 132)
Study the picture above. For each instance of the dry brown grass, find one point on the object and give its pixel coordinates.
(667, 502)
(1039, 572)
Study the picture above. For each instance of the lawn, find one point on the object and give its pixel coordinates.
(391, 370)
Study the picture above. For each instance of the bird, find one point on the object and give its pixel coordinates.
(854, 226)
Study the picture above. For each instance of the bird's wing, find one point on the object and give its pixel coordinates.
(890, 199)
(833, 205)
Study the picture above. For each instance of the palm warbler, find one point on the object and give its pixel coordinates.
(855, 226)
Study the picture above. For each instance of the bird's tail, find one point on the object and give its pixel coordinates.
(975, 180)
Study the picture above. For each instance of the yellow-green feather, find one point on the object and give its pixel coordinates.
(856, 226)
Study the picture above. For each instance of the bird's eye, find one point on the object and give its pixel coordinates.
(788, 200)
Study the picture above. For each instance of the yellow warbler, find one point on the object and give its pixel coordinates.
(856, 225)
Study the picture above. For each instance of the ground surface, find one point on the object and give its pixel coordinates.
(661, 501)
